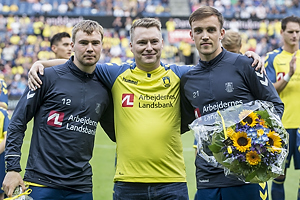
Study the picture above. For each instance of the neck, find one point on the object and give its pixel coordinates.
(291, 49)
(87, 69)
(148, 67)
(208, 57)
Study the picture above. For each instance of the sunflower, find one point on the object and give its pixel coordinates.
(248, 117)
(274, 141)
(253, 158)
(241, 141)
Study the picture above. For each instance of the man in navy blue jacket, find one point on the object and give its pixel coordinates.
(66, 111)
(220, 80)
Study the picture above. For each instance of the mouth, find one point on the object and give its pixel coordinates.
(148, 55)
(205, 44)
(89, 56)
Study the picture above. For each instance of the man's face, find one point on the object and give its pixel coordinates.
(291, 34)
(207, 35)
(87, 49)
(146, 46)
(63, 48)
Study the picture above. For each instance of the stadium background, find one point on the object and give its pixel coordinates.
(26, 27)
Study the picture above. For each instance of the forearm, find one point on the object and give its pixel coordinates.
(280, 85)
(50, 63)
(2, 144)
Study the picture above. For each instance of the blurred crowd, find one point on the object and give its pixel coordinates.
(117, 8)
(25, 39)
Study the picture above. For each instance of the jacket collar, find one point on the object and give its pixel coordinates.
(212, 62)
(75, 70)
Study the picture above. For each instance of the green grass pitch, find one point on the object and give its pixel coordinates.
(104, 159)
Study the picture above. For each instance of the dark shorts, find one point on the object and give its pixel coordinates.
(138, 191)
(244, 192)
(47, 193)
(2, 170)
(293, 149)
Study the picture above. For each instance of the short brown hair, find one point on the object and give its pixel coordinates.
(204, 12)
(87, 26)
(288, 19)
(145, 22)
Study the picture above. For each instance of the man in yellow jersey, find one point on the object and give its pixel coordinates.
(146, 99)
(281, 66)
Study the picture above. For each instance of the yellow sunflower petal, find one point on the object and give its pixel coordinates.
(241, 141)
(253, 158)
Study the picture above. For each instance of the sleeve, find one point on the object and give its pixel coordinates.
(270, 67)
(25, 110)
(3, 92)
(262, 88)
(6, 122)
(107, 120)
(187, 111)
(108, 73)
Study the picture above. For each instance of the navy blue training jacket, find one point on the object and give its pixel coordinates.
(225, 81)
(66, 111)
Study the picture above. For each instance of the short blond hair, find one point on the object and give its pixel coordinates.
(87, 26)
(146, 23)
(231, 39)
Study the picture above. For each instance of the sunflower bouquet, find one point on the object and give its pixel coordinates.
(247, 140)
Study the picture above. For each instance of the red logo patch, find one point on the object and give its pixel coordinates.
(55, 118)
(280, 76)
(127, 100)
(197, 113)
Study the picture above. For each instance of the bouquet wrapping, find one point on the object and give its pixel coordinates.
(246, 140)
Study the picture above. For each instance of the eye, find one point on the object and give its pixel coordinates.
(83, 42)
(211, 30)
(197, 30)
(96, 43)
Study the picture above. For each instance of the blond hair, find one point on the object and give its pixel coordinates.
(231, 39)
(87, 26)
(146, 23)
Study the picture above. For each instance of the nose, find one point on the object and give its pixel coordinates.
(149, 46)
(295, 34)
(205, 35)
(89, 47)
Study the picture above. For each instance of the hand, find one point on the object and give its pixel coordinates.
(34, 81)
(293, 65)
(257, 61)
(11, 181)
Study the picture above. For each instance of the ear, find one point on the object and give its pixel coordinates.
(72, 45)
(53, 48)
(191, 35)
(222, 34)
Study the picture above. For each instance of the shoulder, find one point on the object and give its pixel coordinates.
(271, 55)
(233, 59)
(179, 70)
(3, 112)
